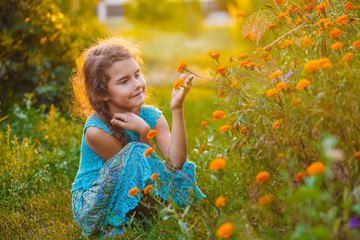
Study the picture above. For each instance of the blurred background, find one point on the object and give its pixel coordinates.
(40, 41)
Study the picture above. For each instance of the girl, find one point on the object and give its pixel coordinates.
(114, 163)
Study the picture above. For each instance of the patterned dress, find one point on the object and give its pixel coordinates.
(102, 204)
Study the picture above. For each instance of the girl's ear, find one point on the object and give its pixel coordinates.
(103, 96)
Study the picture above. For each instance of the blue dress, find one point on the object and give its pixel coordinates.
(102, 200)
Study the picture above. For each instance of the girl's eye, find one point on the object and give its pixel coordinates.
(123, 82)
(137, 75)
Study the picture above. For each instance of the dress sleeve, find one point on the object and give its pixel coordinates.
(95, 121)
(150, 114)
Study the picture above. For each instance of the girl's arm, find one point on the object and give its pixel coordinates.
(174, 145)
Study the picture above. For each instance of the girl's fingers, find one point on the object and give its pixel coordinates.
(118, 123)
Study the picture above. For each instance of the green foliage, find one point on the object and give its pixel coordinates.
(165, 14)
(40, 42)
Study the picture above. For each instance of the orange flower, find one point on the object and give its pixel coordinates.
(336, 46)
(356, 44)
(286, 43)
(277, 124)
(347, 57)
(225, 128)
(133, 191)
(225, 230)
(321, 7)
(182, 67)
(281, 155)
(300, 176)
(258, 66)
(243, 130)
(243, 56)
(178, 83)
(203, 124)
(220, 201)
(262, 177)
(302, 84)
(294, 101)
(233, 84)
(324, 63)
(217, 164)
(154, 176)
(250, 36)
(281, 85)
(148, 152)
(148, 189)
(335, 33)
(348, 7)
(221, 69)
(240, 14)
(305, 41)
(152, 133)
(357, 155)
(342, 20)
(272, 26)
(218, 115)
(213, 55)
(275, 75)
(315, 168)
(281, 15)
(272, 92)
(321, 21)
(311, 65)
(280, 1)
(222, 93)
(264, 200)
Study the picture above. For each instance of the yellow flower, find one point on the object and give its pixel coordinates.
(324, 63)
(347, 57)
(356, 44)
(148, 152)
(218, 115)
(281, 85)
(182, 67)
(300, 176)
(262, 177)
(203, 124)
(342, 20)
(220, 202)
(348, 7)
(217, 164)
(133, 191)
(225, 230)
(335, 33)
(148, 189)
(264, 200)
(272, 92)
(233, 84)
(336, 46)
(272, 26)
(225, 128)
(243, 130)
(305, 41)
(302, 84)
(277, 124)
(154, 176)
(152, 133)
(311, 65)
(275, 75)
(315, 168)
(178, 83)
(221, 69)
(321, 7)
(250, 36)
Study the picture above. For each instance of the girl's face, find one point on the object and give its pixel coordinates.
(126, 86)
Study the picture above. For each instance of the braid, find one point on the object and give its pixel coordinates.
(105, 115)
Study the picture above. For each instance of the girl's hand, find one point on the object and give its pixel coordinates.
(178, 95)
(130, 121)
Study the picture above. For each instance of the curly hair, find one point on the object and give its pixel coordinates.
(89, 84)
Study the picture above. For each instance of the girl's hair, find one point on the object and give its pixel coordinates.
(89, 84)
